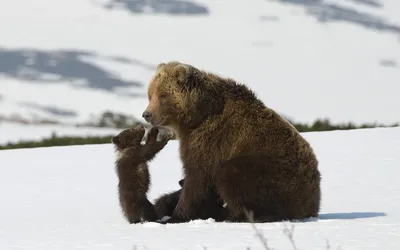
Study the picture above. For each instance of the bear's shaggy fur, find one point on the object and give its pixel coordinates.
(133, 174)
(232, 147)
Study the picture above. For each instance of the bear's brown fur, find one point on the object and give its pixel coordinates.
(234, 147)
(133, 174)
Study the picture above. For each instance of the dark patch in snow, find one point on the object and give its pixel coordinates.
(170, 7)
(350, 216)
(388, 63)
(54, 66)
(269, 18)
(370, 3)
(326, 12)
(50, 109)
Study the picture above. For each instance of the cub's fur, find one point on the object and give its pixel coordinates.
(166, 203)
(133, 174)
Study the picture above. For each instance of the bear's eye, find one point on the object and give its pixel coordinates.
(163, 95)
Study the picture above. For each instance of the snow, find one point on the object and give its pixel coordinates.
(68, 60)
(14, 132)
(66, 198)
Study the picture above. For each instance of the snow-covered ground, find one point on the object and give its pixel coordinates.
(69, 59)
(66, 198)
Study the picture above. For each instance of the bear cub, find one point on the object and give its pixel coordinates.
(132, 171)
(166, 203)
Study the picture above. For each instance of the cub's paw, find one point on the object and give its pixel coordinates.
(152, 145)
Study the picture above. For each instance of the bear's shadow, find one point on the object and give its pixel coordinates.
(342, 216)
(350, 216)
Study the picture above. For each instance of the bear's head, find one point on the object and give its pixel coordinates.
(182, 96)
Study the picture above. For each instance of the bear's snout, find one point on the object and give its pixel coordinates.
(147, 116)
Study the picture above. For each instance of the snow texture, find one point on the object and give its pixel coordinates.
(66, 198)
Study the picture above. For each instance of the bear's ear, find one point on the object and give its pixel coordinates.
(181, 72)
(160, 65)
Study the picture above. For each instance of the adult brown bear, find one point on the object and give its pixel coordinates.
(234, 147)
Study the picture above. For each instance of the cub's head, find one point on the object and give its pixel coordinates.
(182, 96)
(128, 138)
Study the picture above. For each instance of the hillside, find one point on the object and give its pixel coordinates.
(66, 198)
(69, 60)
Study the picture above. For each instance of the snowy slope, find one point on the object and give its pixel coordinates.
(65, 198)
(67, 60)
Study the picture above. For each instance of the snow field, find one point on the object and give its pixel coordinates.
(83, 58)
(66, 198)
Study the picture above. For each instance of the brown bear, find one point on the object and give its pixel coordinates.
(133, 174)
(233, 147)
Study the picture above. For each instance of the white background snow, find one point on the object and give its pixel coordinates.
(307, 59)
(66, 198)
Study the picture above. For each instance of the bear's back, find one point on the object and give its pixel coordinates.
(245, 126)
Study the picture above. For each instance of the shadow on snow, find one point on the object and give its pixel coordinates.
(350, 216)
